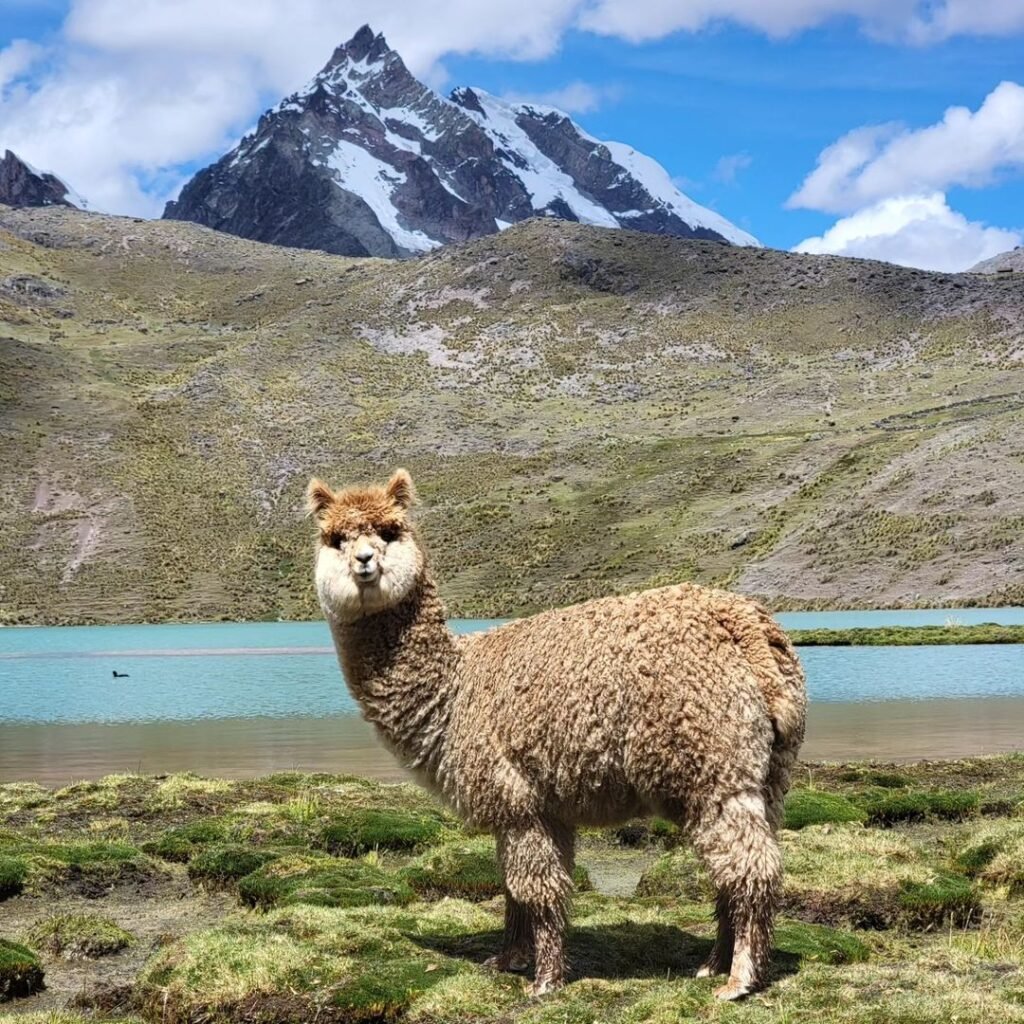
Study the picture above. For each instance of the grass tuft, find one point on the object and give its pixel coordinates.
(467, 870)
(13, 872)
(812, 807)
(946, 900)
(819, 943)
(887, 808)
(321, 881)
(79, 936)
(223, 865)
(363, 830)
(21, 974)
(183, 843)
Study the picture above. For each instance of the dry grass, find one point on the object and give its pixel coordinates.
(813, 430)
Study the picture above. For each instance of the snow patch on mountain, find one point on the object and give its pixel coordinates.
(543, 178)
(655, 179)
(374, 181)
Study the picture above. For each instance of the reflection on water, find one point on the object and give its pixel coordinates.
(240, 748)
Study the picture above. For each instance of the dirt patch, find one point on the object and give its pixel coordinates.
(106, 984)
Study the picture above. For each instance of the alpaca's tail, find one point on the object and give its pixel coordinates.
(777, 667)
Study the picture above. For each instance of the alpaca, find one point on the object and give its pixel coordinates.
(683, 701)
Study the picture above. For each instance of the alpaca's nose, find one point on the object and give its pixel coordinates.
(364, 556)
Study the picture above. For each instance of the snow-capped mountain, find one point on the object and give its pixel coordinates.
(22, 185)
(367, 160)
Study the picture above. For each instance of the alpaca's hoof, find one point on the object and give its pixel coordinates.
(710, 968)
(517, 963)
(732, 990)
(542, 986)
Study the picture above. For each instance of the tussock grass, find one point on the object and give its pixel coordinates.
(224, 865)
(13, 872)
(78, 936)
(467, 870)
(903, 920)
(322, 881)
(812, 807)
(888, 807)
(21, 974)
(362, 830)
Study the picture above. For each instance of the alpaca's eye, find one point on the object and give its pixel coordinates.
(388, 534)
(338, 539)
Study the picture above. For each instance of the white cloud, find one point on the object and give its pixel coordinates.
(16, 59)
(914, 231)
(728, 167)
(131, 91)
(967, 17)
(964, 148)
(574, 98)
(917, 21)
(640, 20)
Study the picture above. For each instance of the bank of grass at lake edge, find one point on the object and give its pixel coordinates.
(908, 636)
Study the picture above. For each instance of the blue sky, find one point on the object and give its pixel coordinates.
(738, 109)
(690, 100)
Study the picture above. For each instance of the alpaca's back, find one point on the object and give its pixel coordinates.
(624, 703)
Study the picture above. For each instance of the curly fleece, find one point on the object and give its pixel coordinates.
(683, 701)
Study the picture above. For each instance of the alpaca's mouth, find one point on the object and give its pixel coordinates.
(365, 575)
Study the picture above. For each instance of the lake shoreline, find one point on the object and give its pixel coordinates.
(899, 731)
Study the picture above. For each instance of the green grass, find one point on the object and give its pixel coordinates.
(944, 901)
(362, 830)
(907, 919)
(298, 963)
(13, 872)
(676, 875)
(811, 807)
(21, 974)
(322, 882)
(223, 865)
(78, 936)
(466, 870)
(887, 808)
(907, 636)
(183, 843)
(820, 944)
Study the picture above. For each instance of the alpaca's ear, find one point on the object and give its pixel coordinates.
(400, 489)
(318, 496)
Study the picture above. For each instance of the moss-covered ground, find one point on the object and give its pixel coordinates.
(330, 898)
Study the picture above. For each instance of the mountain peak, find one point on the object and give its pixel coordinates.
(366, 46)
(22, 185)
(367, 160)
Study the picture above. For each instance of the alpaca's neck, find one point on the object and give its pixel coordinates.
(402, 667)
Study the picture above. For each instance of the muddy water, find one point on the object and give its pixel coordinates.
(56, 754)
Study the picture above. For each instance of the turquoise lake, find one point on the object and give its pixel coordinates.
(194, 688)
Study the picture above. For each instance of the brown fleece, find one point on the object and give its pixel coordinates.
(683, 701)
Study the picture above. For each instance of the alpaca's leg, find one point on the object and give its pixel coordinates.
(537, 863)
(720, 960)
(517, 946)
(742, 855)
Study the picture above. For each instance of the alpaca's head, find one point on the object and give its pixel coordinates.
(368, 558)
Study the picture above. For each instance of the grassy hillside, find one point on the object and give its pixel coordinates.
(584, 411)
